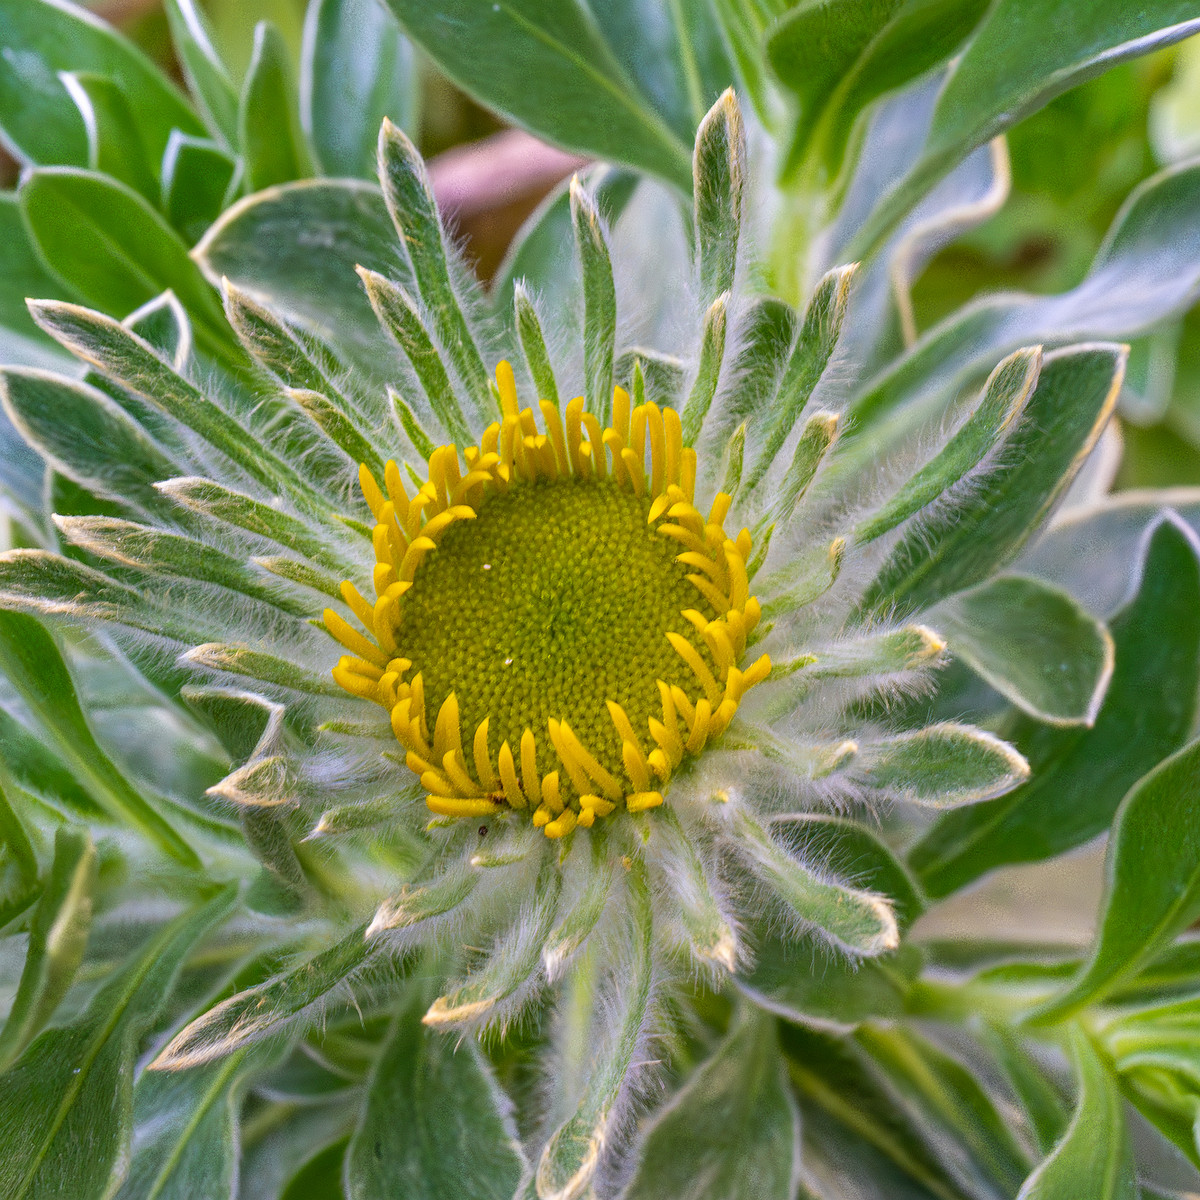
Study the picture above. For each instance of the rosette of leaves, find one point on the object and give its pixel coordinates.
(229, 970)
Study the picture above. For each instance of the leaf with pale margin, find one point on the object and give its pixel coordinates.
(40, 122)
(719, 175)
(1010, 68)
(33, 665)
(133, 254)
(115, 146)
(546, 65)
(356, 68)
(1152, 880)
(185, 1133)
(1095, 1156)
(985, 528)
(57, 936)
(208, 77)
(273, 146)
(65, 1107)
(266, 1008)
(708, 1143)
(1080, 774)
(265, 244)
(1034, 645)
(198, 177)
(434, 1125)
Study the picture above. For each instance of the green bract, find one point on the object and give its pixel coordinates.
(515, 745)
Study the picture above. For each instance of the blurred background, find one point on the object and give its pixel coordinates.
(1072, 163)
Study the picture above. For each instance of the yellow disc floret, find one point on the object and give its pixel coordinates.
(581, 620)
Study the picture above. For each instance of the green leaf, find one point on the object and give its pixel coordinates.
(1004, 397)
(1095, 1156)
(207, 75)
(273, 146)
(259, 1011)
(1152, 880)
(197, 178)
(1074, 397)
(32, 664)
(264, 245)
(719, 176)
(356, 68)
(65, 1108)
(57, 936)
(1080, 775)
(86, 436)
(1044, 1108)
(1009, 69)
(37, 769)
(133, 254)
(708, 370)
(19, 882)
(942, 766)
(185, 1133)
(548, 67)
(40, 122)
(434, 1125)
(806, 364)
(708, 1143)
(115, 145)
(599, 302)
(22, 273)
(1034, 645)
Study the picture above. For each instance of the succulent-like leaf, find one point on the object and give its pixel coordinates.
(1034, 645)
(115, 146)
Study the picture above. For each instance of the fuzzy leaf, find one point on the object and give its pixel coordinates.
(434, 1125)
(1152, 880)
(1009, 69)
(253, 1014)
(551, 69)
(1034, 645)
(709, 1144)
(356, 69)
(569, 1161)
(258, 664)
(942, 766)
(87, 436)
(1095, 1156)
(207, 76)
(264, 244)
(65, 1107)
(533, 343)
(44, 37)
(587, 882)
(185, 1133)
(599, 302)
(708, 370)
(1063, 418)
(1080, 775)
(1004, 397)
(857, 921)
(410, 203)
(816, 440)
(274, 148)
(32, 664)
(719, 171)
(133, 254)
(58, 934)
(806, 364)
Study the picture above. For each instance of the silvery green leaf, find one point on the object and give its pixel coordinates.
(1152, 881)
(271, 141)
(434, 1125)
(58, 934)
(708, 1143)
(1095, 1154)
(263, 244)
(719, 171)
(115, 145)
(238, 718)
(533, 343)
(984, 530)
(253, 1014)
(1034, 645)
(816, 440)
(355, 69)
(1008, 69)
(708, 370)
(199, 177)
(258, 664)
(599, 302)
(587, 883)
(65, 1108)
(207, 75)
(1003, 400)
(1081, 774)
